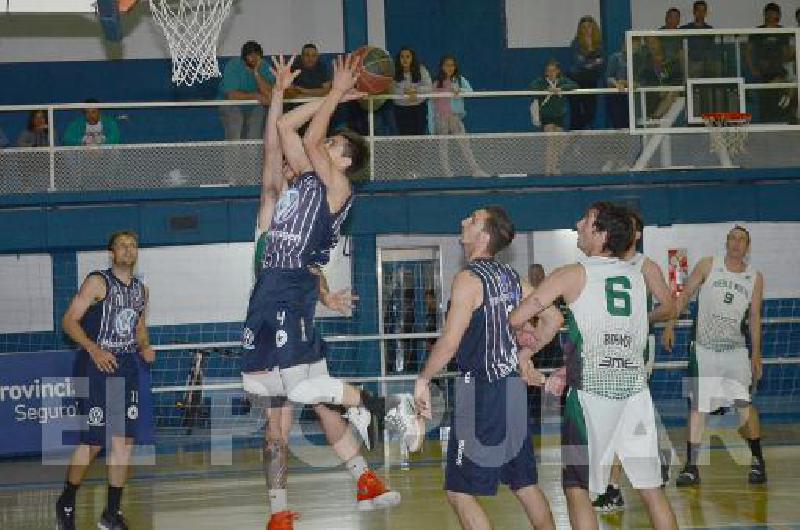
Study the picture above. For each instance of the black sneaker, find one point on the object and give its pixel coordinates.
(609, 502)
(758, 472)
(689, 476)
(65, 516)
(109, 521)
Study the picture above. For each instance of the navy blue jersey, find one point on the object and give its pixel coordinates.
(303, 229)
(488, 349)
(111, 322)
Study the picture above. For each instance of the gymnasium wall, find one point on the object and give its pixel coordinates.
(58, 59)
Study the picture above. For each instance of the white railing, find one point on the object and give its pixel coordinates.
(141, 165)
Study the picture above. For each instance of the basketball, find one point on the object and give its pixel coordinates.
(377, 76)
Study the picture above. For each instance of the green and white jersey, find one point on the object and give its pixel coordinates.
(260, 249)
(722, 306)
(608, 326)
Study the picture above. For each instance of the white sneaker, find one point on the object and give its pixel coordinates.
(410, 424)
(361, 418)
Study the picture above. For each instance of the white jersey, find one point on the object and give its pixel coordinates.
(638, 261)
(608, 326)
(722, 306)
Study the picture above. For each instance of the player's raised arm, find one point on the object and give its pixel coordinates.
(92, 291)
(657, 286)
(696, 279)
(272, 178)
(291, 142)
(565, 281)
(345, 74)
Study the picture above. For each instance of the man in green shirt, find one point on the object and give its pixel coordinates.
(246, 77)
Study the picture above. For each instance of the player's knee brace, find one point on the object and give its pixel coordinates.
(276, 456)
(319, 389)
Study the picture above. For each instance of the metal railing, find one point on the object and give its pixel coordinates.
(235, 162)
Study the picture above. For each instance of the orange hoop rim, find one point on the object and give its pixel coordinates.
(740, 117)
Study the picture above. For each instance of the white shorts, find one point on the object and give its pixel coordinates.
(623, 427)
(278, 382)
(720, 378)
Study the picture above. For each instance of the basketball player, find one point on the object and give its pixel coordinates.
(608, 408)
(285, 356)
(489, 439)
(107, 320)
(719, 365)
(611, 500)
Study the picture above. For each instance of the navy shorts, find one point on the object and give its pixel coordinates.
(279, 327)
(489, 440)
(112, 404)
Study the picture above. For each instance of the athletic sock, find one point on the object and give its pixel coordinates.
(755, 448)
(692, 450)
(357, 466)
(277, 501)
(113, 501)
(68, 495)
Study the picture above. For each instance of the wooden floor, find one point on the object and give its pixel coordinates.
(183, 491)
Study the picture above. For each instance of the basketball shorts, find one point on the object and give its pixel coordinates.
(719, 378)
(112, 402)
(279, 328)
(278, 382)
(489, 440)
(596, 428)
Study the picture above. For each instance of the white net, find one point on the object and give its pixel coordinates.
(728, 131)
(192, 29)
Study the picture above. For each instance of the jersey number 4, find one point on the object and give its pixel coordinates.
(618, 297)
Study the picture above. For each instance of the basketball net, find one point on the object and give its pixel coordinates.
(728, 131)
(192, 29)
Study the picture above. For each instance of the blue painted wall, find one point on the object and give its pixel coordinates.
(474, 30)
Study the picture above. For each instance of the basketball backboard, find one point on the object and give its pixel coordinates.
(108, 11)
(678, 75)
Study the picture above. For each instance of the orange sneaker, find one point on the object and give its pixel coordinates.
(373, 493)
(282, 520)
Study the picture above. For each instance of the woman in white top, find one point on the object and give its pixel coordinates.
(411, 78)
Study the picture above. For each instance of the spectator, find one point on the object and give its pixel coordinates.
(668, 51)
(665, 62)
(411, 78)
(587, 69)
(93, 129)
(765, 56)
(699, 12)
(36, 134)
(315, 77)
(548, 112)
(704, 58)
(617, 77)
(446, 115)
(246, 77)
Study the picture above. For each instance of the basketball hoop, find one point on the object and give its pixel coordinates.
(192, 28)
(728, 131)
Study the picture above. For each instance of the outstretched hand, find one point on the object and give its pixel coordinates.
(346, 70)
(342, 301)
(282, 70)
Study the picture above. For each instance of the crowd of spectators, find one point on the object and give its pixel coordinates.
(767, 58)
